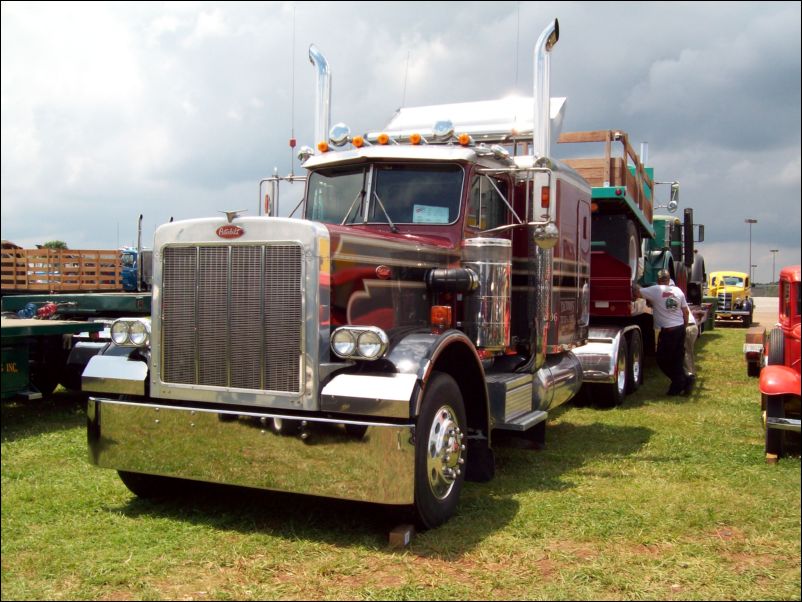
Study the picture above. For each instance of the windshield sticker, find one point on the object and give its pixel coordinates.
(429, 214)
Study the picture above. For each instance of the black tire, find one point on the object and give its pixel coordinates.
(439, 451)
(149, 486)
(356, 431)
(633, 250)
(286, 426)
(753, 368)
(634, 362)
(774, 437)
(612, 394)
(776, 354)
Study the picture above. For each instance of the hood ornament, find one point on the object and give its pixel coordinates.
(232, 215)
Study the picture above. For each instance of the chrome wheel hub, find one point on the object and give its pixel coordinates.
(445, 452)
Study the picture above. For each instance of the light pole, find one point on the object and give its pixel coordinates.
(750, 221)
(773, 257)
(752, 278)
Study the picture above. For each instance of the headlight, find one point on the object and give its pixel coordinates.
(119, 332)
(369, 345)
(131, 332)
(138, 333)
(342, 342)
(359, 342)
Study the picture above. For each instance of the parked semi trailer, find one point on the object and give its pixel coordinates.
(435, 288)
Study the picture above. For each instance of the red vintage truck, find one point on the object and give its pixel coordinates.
(435, 288)
(775, 357)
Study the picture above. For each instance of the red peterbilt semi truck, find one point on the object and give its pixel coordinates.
(433, 289)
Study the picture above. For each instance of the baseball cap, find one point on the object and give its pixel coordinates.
(663, 275)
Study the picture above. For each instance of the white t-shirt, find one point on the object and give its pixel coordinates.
(667, 302)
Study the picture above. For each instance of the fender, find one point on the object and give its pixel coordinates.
(452, 352)
(779, 380)
(396, 389)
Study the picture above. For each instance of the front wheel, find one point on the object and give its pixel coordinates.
(774, 437)
(439, 451)
(148, 486)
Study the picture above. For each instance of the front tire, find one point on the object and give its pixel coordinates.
(439, 451)
(148, 486)
(774, 437)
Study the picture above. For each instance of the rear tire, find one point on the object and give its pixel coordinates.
(612, 394)
(439, 451)
(634, 362)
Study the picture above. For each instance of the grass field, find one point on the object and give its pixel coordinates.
(662, 498)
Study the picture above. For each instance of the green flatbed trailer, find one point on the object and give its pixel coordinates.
(86, 305)
(33, 353)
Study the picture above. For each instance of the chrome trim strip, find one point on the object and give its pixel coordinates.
(114, 374)
(783, 424)
(387, 396)
(240, 448)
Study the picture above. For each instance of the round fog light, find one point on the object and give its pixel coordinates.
(119, 332)
(342, 342)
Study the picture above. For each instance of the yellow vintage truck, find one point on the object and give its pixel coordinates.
(734, 295)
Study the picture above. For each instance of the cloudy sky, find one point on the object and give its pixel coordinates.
(110, 110)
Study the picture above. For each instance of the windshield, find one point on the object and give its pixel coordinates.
(733, 281)
(400, 194)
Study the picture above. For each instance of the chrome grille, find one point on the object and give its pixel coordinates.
(725, 301)
(232, 316)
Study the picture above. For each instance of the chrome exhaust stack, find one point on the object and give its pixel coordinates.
(322, 94)
(541, 137)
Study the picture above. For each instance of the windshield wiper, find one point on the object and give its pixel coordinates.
(393, 227)
(351, 208)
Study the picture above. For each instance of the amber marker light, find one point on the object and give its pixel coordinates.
(414, 138)
(594, 207)
(358, 141)
(440, 317)
(323, 146)
(383, 139)
(464, 139)
(545, 197)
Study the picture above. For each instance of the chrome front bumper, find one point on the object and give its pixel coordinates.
(241, 448)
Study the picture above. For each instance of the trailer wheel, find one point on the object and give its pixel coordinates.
(776, 356)
(439, 451)
(634, 362)
(612, 394)
(148, 485)
(774, 437)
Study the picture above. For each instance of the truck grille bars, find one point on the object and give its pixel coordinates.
(232, 316)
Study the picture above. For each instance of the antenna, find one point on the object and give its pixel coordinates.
(406, 71)
(517, 43)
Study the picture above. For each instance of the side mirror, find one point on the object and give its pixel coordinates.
(672, 206)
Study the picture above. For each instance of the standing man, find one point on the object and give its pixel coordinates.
(688, 364)
(670, 311)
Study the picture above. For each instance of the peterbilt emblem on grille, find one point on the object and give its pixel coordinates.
(230, 231)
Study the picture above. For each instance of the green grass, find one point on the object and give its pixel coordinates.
(662, 498)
